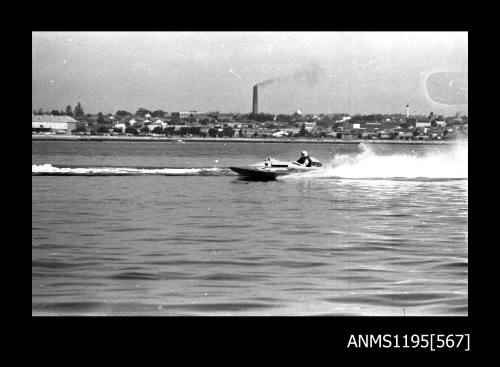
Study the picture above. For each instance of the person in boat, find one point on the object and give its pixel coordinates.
(305, 159)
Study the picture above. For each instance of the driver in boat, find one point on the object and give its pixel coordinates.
(305, 159)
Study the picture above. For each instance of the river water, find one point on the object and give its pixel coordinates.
(124, 228)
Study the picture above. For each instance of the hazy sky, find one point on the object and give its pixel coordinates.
(354, 72)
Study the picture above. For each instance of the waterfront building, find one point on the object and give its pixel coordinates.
(53, 123)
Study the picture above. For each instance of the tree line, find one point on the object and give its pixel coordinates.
(77, 112)
(321, 120)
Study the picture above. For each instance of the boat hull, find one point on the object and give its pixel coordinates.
(271, 169)
(258, 173)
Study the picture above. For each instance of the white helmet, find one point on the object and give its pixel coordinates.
(304, 153)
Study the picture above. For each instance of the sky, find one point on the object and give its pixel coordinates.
(314, 72)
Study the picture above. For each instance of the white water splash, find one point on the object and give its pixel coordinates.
(449, 163)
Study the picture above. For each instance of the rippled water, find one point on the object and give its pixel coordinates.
(165, 229)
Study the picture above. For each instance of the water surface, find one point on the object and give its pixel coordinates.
(166, 229)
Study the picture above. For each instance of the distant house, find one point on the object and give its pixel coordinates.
(120, 126)
(138, 121)
(53, 123)
(191, 115)
(157, 123)
(422, 123)
(280, 134)
(310, 126)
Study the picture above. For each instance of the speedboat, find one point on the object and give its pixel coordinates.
(271, 168)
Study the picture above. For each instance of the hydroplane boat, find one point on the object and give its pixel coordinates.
(270, 169)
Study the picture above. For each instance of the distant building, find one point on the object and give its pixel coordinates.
(191, 116)
(53, 123)
(405, 135)
(120, 126)
(422, 123)
(280, 134)
(151, 127)
(157, 123)
(138, 121)
(310, 126)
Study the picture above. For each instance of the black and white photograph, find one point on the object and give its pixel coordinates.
(249, 173)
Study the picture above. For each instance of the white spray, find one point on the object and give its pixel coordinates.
(451, 162)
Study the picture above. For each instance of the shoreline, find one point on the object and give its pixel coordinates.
(230, 140)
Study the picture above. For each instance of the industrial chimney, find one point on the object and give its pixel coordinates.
(255, 109)
(407, 111)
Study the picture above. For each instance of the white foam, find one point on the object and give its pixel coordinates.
(449, 163)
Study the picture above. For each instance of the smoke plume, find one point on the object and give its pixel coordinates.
(308, 76)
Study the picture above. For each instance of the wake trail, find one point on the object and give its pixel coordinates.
(50, 170)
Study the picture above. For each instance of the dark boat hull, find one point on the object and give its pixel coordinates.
(258, 173)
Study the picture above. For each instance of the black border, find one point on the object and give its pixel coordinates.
(213, 336)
